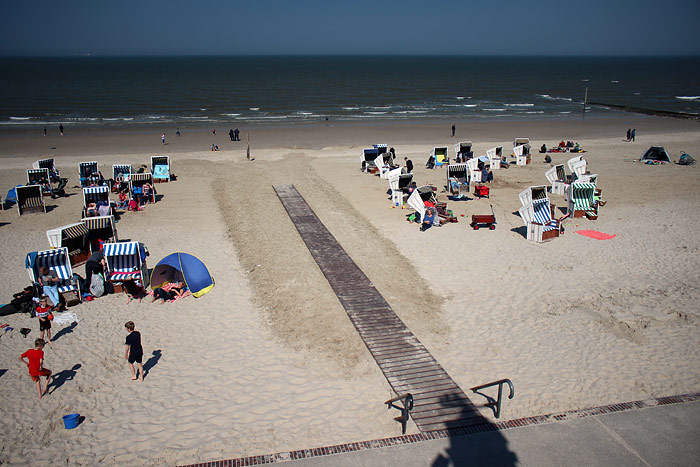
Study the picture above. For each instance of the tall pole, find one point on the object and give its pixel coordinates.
(585, 100)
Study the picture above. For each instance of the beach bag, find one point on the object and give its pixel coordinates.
(97, 285)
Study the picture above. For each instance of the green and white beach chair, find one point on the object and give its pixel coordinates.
(581, 200)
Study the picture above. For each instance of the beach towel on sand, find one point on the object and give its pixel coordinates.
(595, 234)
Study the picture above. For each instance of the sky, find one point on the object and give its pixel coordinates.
(360, 27)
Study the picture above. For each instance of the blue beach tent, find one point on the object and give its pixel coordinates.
(183, 267)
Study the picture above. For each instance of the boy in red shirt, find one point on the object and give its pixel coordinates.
(35, 364)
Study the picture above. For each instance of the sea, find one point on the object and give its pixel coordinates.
(183, 91)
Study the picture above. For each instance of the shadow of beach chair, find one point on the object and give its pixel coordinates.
(30, 199)
(160, 168)
(56, 260)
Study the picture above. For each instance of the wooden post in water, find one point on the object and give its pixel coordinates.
(585, 100)
(247, 138)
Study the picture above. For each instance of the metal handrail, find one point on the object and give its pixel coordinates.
(407, 402)
(495, 405)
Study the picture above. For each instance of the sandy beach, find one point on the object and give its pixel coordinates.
(268, 361)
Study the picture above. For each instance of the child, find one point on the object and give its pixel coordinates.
(123, 199)
(49, 279)
(133, 352)
(42, 312)
(147, 189)
(35, 364)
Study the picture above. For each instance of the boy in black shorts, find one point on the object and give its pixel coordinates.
(133, 352)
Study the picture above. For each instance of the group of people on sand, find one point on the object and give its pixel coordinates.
(34, 358)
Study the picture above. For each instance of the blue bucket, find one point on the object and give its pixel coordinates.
(71, 420)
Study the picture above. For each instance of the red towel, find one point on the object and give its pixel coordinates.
(595, 234)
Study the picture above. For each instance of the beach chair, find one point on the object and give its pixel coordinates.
(87, 171)
(101, 230)
(367, 160)
(160, 168)
(533, 193)
(418, 198)
(56, 260)
(49, 164)
(580, 197)
(121, 169)
(494, 155)
(557, 177)
(537, 216)
(136, 181)
(462, 150)
(385, 163)
(399, 183)
(40, 177)
(458, 180)
(93, 194)
(522, 154)
(30, 199)
(73, 237)
(440, 156)
(474, 171)
(126, 261)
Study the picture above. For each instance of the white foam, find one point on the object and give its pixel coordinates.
(469, 105)
(494, 110)
(553, 98)
(688, 98)
(459, 97)
(351, 108)
(230, 115)
(20, 118)
(254, 108)
(520, 105)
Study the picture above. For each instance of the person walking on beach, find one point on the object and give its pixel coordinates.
(235, 135)
(213, 131)
(133, 353)
(629, 133)
(177, 133)
(453, 131)
(409, 164)
(45, 131)
(162, 138)
(230, 134)
(633, 134)
(35, 365)
(60, 129)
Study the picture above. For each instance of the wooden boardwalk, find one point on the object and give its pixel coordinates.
(439, 403)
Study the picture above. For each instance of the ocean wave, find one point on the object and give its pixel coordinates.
(520, 105)
(411, 112)
(554, 98)
(535, 112)
(382, 107)
(116, 119)
(377, 113)
(494, 110)
(567, 112)
(351, 108)
(688, 98)
(470, 105)
(459, 98)
(254, 108)
(304, 113)
(195, 118)
(20, 118)
(230, 115)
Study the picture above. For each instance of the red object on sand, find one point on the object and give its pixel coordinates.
(595, 234)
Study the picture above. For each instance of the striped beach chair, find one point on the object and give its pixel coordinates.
(86, 170)
(30, 199)
(160, 168)
(101, 229)
(537, 216)
(458, 180)
(126, 261)
(37, 176)
(93, 194)
(73, 237)
(121, 169)
(494, 155)
(57, 260)
(581, 202)
(49, 164)
(556, 176)
(533, 193)
(138, 180)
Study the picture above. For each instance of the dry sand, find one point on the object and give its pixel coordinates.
(268, 361)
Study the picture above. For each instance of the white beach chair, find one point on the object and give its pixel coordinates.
(458, 180)
(56, 260)
(367, 159)
(474, 172)
(533, 193)
(385, 163)
(521, 154)
(440, 156)
(557, 177)
(462, 149)
(399, 183)
(581, 200)
(418, 198)
(126, 261)
(494, 155)
(73, 237)
(160, 168)
(538, 219)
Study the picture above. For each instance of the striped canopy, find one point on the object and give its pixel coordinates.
(147, 176)
(96, 189)
(44, 164)
(582, 196)
(95, 223)
(123, 260)
(75, 231)
(159, 160)
(121, 248)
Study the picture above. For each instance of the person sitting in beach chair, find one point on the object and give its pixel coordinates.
(91, 210)
(146, 193)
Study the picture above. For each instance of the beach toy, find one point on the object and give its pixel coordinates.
(71, 420)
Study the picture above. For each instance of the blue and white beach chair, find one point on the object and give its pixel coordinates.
(126, 261)
(160, 168)
(56, 260)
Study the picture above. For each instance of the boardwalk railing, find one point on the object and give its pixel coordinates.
(495, 405)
